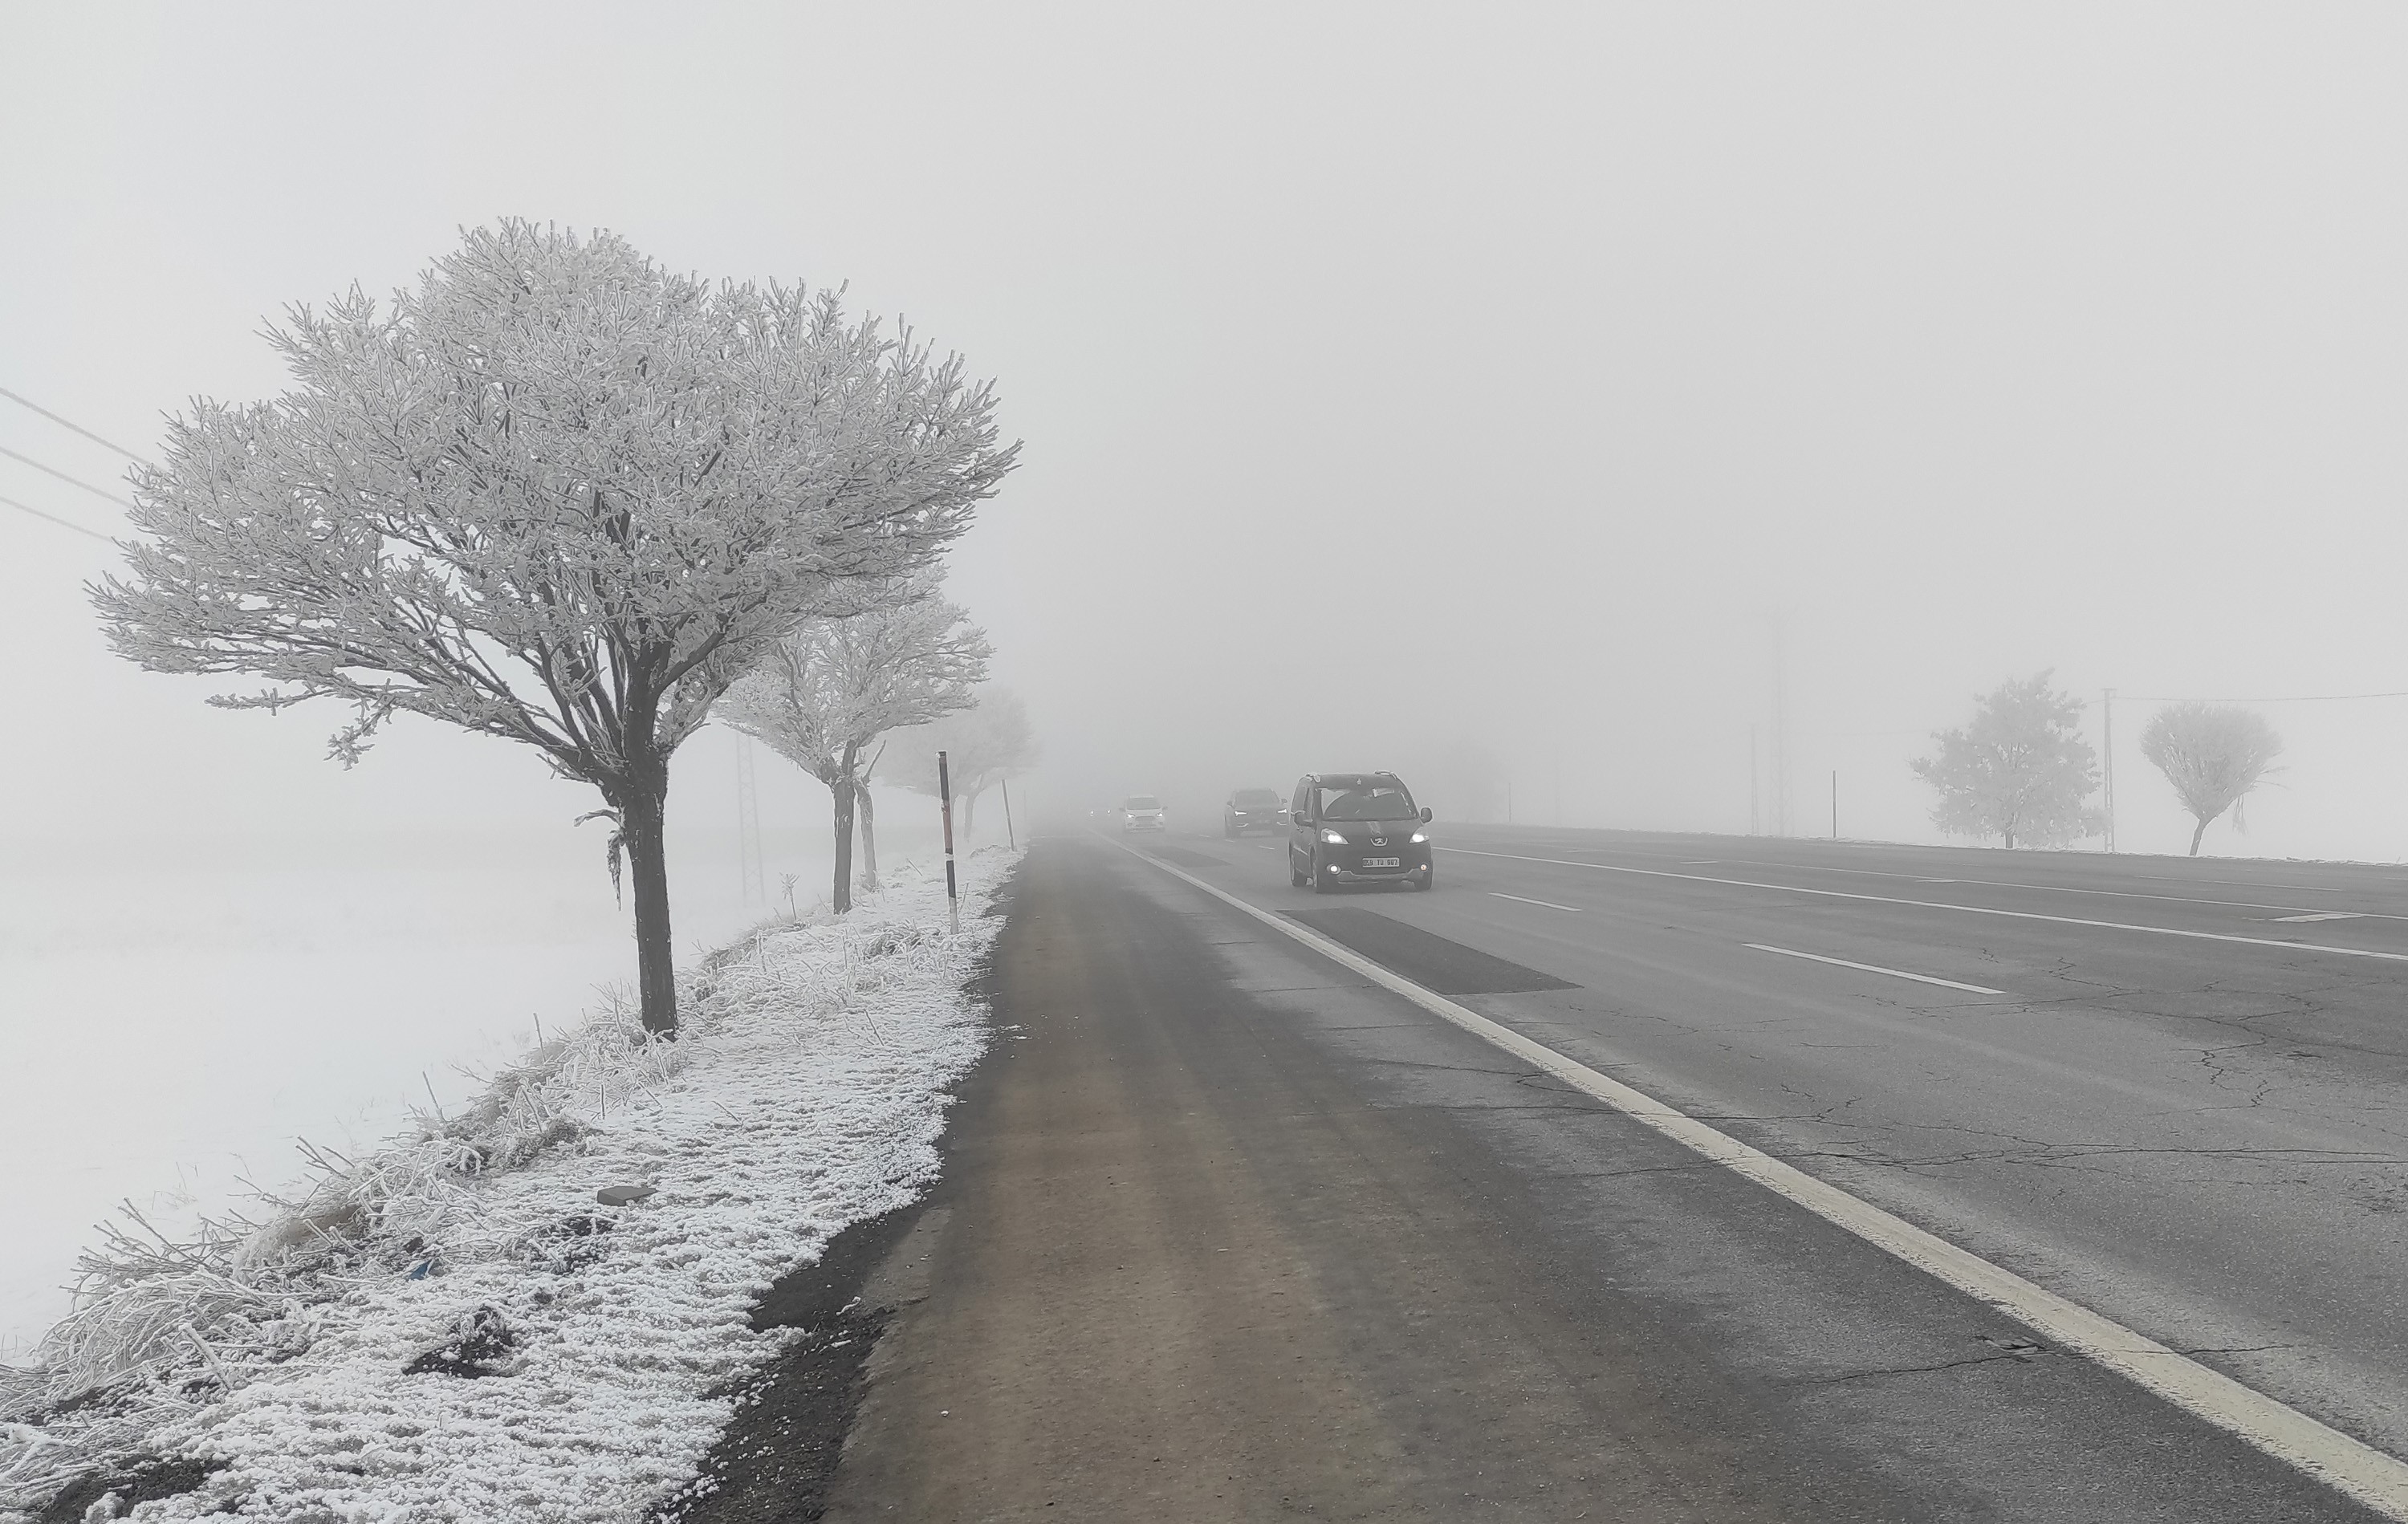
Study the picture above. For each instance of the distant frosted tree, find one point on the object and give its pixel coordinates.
(554, 494)
(983, 744)
(2213, 755)
(825, 693)
(2019, 771)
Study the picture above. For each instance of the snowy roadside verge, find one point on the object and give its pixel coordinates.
(456, 1328)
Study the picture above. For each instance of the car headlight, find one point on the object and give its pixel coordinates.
(1418, 837)
(1332, 838)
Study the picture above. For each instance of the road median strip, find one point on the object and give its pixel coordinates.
(2349, 1465)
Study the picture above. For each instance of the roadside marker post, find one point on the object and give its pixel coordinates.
(1010, 837)
(945, 792)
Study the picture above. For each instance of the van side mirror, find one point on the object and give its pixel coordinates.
(1426, 815)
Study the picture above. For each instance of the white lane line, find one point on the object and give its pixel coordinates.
(1960, 909)
(2067, 889)
(1875, 968)
(1549, 904)
(2318, 1449)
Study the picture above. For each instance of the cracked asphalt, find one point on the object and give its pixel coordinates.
(1226, 1233)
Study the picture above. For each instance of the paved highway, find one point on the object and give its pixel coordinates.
(2174, 1091)
(1236, 1227)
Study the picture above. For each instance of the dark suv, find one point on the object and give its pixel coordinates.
(1356, 828)
(1251, 809)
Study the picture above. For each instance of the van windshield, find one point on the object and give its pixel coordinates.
(1383, 802)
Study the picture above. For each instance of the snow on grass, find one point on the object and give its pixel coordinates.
(806, 1091)
(174, 1020)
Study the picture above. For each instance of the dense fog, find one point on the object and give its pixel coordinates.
(1662, 417)
(1544, 404)
(1658, 419)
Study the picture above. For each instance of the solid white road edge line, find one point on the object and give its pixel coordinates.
(1527, 900)
(2350, 1466)
(1938, 905)
(1875, 968)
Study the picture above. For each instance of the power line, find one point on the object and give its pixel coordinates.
(63, 523)
(2283, 698)
(53, 471)
(25, 402)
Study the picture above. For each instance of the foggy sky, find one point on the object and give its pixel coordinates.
(1396, 381)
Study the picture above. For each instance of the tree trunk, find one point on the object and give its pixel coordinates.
(970, 817)
(2196, 835)
(868, 837)
(2011, 840)
(643, 807)
(842, 787)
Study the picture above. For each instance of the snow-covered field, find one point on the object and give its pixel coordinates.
(174, 1026)
(177, 1014)
(806, 1092)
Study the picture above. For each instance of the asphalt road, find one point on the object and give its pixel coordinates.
(1228, 1231)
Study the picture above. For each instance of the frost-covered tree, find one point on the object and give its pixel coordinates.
(555, 494)
(983, 744)
(2020, 771)
(827, 691)
(2213, 755)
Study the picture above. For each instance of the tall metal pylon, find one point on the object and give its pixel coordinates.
(754, 885)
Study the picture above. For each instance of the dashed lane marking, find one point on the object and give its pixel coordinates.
(1942, 904)
(2061, 888)
(2315, 1448)
(1876, 968)
(1526, 900)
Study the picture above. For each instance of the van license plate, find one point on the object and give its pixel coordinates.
(1383, 862)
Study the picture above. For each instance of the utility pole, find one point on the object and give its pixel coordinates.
(2107, 706)
(752, 884)
(1835, 804)
(1780, 728)
(1755, 790)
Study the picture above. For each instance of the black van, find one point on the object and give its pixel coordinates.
(1251, 809)
(1356, 828)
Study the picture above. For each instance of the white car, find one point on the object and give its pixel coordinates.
(1142, 812)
